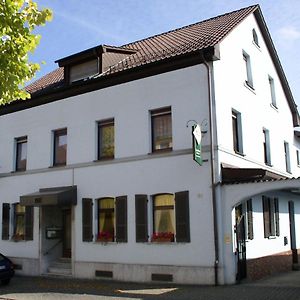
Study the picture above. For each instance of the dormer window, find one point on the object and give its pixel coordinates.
(84, 70)
(255, 37)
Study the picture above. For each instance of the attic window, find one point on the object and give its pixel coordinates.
(255, 37)
(84, 70)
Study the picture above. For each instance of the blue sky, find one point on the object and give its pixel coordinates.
(78, 25)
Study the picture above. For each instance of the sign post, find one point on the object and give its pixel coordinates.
(197, 135)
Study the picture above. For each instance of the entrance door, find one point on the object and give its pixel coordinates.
(67, 233)
(292, 232)
(241, 243)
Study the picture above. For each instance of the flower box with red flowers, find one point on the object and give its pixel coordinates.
(162, 237)
(105, 236)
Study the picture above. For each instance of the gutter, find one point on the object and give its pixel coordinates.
(212, 166)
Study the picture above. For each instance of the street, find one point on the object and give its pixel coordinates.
(285, 286)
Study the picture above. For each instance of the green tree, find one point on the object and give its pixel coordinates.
(18, 19)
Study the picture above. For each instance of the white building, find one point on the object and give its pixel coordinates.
(97, 167)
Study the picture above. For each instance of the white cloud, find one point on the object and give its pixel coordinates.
(289, 33)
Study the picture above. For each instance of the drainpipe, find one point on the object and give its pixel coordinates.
(212, 166)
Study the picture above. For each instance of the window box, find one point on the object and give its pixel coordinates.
(105, 236)
(162, 237)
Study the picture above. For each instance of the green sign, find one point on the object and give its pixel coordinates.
(197, 135)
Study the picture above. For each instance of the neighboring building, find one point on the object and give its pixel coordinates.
(97, 166)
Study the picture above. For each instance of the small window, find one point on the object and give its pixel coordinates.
(248, 72)
(266, 147)
(272, 91)
(237, 132)
(249, 211)
(19, 222)
(271, 216)
(106, 139)
(21, 153)
(161, 121)
(298, 158)
(255, 37)
(60, 147)
(287, 157)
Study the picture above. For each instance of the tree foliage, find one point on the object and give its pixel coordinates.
(18, 19)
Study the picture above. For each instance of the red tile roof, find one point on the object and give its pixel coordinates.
(162, 46)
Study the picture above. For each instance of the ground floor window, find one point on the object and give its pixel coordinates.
(106, 219)
(271, 216)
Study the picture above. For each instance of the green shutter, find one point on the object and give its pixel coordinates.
(182, 214)
(121, 219)
(5, 220)
(141, 218)
(87, 220)
(29, 223)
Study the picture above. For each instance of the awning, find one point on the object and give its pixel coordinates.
(231, 174)
(60, 196)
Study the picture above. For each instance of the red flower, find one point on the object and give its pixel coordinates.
(105, 235)
(163, 235)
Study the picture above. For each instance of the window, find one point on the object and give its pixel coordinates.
(248, 72)
(83, 70)
(23, 222)
(5, 220)
(164, 217)
(237, 132)
(287, 157)
(266, 145)
(249, 211)
(161, 122)
(255, 38)
(298, 158)
(60, 147)
(271, 216)
(170, 218)
(272, 91)
(112, 219)
(21, 153)
(106, 139)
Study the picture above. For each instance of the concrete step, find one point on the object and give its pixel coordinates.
(61, 267)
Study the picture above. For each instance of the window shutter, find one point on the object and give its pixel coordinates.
(266, 215)
(141, 218)
(277, 229)
(121, 219)
(250, 219)
(182, 217)
(29, 223)
(5, 221)
(87, 220)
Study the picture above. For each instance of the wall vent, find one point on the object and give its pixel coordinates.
(104, 274)
(162, 277)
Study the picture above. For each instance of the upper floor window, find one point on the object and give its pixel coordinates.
(237, 132)
(272, 91)
(271, 216)
(255, 37)
(266, 144)
(60, 147)
(21, 153)
(248, 71)
(161, 122)
(84, 70)
(287, 157)
(106, 139)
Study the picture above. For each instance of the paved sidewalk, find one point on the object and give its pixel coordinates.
(284, 286)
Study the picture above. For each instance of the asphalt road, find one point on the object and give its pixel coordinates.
(285, 286)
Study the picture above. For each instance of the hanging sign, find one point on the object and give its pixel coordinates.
(197, 135)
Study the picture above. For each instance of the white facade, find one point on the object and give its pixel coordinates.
(135, 170)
